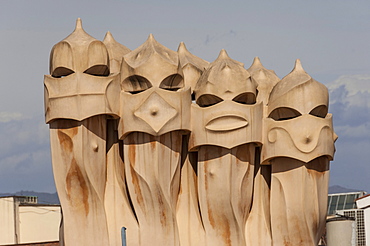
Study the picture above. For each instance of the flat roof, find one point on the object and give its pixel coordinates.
(362, 197)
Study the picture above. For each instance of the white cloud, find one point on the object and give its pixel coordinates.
(350, 102)
(13, 161)
(8, 116)
(25, 162)
(361, 131)
(350, 105)
(351, 89)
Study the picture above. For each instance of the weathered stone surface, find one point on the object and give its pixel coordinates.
(246, 163)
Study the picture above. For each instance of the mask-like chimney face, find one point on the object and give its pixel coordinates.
(80, 79)
(298, 117)
(151, 65)
(225, 79)
(153, 97)
(226, 114)
(79, 52)
(298, 93)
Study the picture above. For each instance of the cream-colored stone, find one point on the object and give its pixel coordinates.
(117, 204)
(298, 143)
(190, 224)
(155, 111)
(225, 187)
(154, 190)
(77, 105)
(225, 126)
(298, 125)
(154, 116)
(226, 114)
(80, 96)
(149, 65)
(78, 156)
(80, 85)
(299, 194)
(116, 51)
(117, 201)
(265, 79)
(192, 66)
(258, 225)
(304, 138)
(246, 164)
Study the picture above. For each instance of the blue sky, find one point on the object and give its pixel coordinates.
(331, 38)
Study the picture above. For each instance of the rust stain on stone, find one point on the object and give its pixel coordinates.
(152, 142)
(209, 209)
(180, 190)
(205, 164)
(163, 216)
(65, 141)
(134, 176)
(77, 190)
(225, 227)
(132, 154)
(210, 216)
(286, 243)
(218, 222)
(135, 183)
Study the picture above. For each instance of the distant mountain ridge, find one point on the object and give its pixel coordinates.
(42, 197)
(339, 189)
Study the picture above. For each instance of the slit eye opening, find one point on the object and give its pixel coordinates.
(61, 72)
(135, 84)
(98, 70)
(208, 100)
(284, 113)
(245, 98)
(320, 111)
(173, 82)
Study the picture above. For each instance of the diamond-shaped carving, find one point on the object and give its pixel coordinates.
(155, 111)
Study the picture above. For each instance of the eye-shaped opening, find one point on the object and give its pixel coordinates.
(172, 82)
(208, 100)
(136, 92)
(60, 72)
(245, 98)
(98, 70)
(284, 113)
(320, 111)
(136, 84)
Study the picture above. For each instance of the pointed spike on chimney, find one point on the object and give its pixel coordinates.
(78, 24)
(298, 66)
(257, 62)
(151, 37)
(182, 48)
(108, 37)
(223, 55)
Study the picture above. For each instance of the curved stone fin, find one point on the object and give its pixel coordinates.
(116, 51)
(266, 79)
(192, 66)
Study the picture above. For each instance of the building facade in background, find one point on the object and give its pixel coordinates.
(355, 205)
(25, 221)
